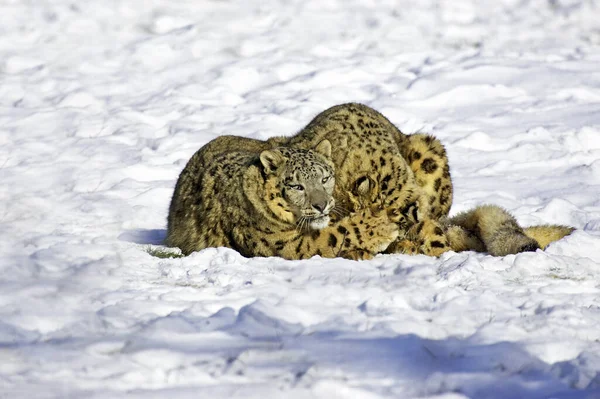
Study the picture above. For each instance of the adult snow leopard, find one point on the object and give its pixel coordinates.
(265, 201)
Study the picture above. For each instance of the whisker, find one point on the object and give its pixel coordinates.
(299, 223)
(341, 208)
(301, 227)
(340, 211)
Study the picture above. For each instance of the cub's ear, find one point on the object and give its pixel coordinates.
(362, 186)
(324, 148)
(271, 160)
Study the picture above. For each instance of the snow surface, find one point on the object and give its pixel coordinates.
(103, 102)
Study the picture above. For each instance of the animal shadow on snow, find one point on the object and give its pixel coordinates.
(144, 236)
(420, 366)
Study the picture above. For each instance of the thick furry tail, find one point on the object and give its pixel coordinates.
(547, 233)
(492, 229)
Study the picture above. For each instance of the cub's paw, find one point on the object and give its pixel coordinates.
(356, 254)
(405, 216)
(405, 247)
(426, 237)
(431, 237)
(375, 230)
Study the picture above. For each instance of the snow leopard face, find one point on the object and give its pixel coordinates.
(303, 182)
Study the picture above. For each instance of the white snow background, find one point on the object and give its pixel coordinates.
(103, 102)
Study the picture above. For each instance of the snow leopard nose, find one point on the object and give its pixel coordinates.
(320, 206)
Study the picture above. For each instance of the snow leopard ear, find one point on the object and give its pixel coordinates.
(324, 148)
(362, 186)
(271, 160)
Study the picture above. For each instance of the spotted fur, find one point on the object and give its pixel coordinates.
(377, 165)
(381, 175)
(269, 201)
(409, 177)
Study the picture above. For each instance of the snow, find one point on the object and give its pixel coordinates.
(102, 104)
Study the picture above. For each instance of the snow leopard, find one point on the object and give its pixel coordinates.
(269, 201)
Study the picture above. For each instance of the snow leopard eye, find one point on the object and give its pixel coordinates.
(325, 179)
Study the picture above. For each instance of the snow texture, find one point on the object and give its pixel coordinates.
(103, 102)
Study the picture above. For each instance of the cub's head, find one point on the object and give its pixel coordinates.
(299, 184)
(379, 178)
